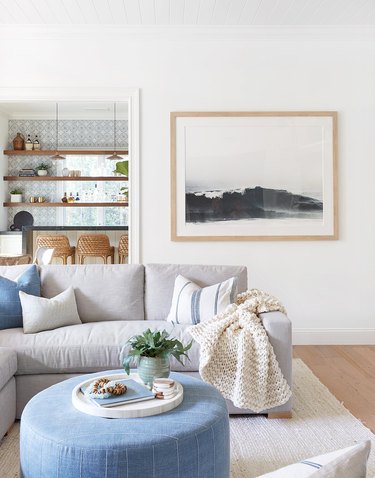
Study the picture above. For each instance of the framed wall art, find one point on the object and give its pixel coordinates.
(254, 176)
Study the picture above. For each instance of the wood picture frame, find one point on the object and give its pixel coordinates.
(254, 176)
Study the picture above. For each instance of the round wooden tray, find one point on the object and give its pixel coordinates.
(130, 410)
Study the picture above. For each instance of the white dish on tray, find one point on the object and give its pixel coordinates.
(146, 408)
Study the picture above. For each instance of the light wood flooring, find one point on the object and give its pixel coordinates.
(348, 371)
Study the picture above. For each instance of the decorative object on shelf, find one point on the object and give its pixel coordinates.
(28, 144)
(22, 218)
(36, 143)
(33, 199)
(41, 199)
(42, 169)
(65, 172)
(71, 197)
(114, 155)
(19, 142)
(16, 195)
(151, 352)
(123, 195)
(64, 198)
(26, 172)
(57, 155)
(122, 168)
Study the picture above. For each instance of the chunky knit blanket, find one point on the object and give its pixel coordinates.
(237, 357)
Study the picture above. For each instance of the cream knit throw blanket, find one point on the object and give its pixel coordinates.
(237, 357)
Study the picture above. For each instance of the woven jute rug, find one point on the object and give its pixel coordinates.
(320, 424)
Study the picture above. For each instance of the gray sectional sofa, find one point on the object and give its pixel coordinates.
(114, 303)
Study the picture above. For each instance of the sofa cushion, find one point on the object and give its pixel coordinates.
(41, 314)
(103, 292)
(8, 365)
(192, 304)
(87, 347)
(160, 279)
(10, 305)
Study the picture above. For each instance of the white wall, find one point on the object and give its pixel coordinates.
(327, 287)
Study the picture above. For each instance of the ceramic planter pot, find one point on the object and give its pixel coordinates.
(42, 172)
(16, 198)
(150, 368)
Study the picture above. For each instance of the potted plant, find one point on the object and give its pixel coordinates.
(42, 169)
(123, 195)
(121, 168)
(151, 352)
(16, 195)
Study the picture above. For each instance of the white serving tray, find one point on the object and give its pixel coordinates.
(130, 410)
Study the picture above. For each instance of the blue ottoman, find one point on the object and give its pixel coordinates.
(191, 441)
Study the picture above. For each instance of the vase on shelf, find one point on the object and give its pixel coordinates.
(150, 368)
(19, 142)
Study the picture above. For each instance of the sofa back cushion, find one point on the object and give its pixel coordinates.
(160, 279)
(103, 292)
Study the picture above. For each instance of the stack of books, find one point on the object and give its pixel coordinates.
(135, 392)
(26, 172)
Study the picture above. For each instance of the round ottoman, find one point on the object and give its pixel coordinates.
(190, 441)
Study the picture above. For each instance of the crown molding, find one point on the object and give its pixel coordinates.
(314, 33)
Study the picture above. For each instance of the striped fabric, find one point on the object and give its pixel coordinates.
(348, 462)
(192, 304)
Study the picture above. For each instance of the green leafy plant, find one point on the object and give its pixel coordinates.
(42, 166)
(122, 167)
(154, 344)
(124, 191)
(16, 191)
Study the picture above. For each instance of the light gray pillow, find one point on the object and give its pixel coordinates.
(41, 314)
(348, 462)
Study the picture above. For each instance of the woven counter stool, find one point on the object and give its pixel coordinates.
(94, 245)
(123, 248)
(61, 246)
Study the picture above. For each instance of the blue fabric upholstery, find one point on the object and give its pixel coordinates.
(190, 441)
(10, 305)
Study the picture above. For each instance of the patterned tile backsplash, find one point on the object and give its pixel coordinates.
(72, 133)
(88, 134)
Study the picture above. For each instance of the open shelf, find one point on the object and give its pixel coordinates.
(45, 152)
(65, 204)
(66, 178)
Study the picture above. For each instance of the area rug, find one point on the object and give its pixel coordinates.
(320, 424)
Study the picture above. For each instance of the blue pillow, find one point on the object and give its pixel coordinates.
(10, 304)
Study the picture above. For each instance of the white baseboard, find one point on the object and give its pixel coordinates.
(333, 336)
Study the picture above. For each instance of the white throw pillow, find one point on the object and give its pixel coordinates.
(192, 304)
(41, 314)
(348, 462)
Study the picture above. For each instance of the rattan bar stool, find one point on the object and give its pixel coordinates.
(123, 248)
(61, 244)
(94, 245)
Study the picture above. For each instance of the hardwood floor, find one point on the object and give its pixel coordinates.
(348, 371)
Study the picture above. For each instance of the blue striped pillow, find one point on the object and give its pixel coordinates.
(10, 305)
(350, 462)
(192, 304)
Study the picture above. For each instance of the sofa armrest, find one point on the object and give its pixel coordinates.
(279, 330)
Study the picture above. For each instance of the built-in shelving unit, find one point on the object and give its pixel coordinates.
(66, 204)
(65, 178)
(41, 152)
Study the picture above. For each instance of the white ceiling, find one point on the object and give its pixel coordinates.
(188, 12)
(67, 110)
